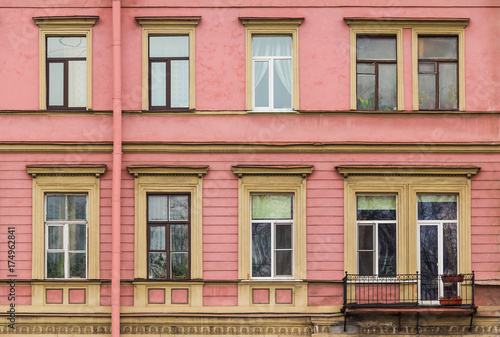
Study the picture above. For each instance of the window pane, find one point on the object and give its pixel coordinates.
(365, 263)
(56, 237)
(272, 206)
(437, 207)
(157, 265)
(157, 207)
(56, 207)
(427, 67)
(283, 236)
(157, 237)
(55, 265)
(77, 265)
(284, 262)
(429, 262)
(169, 46)
(179, 207)
(427, 91)
(179, 84)
(376, 48)
(158, 84)
(365, 237)
(179, 265)
(365, 88)
(77, 207)
(56, 84)
(450, 252)
(77, 83)
(282, 84)
(66, 47)
(448, 86)
(376, 207)
(387, 249)
(77, 237)
(387, 87)
(437, 47)
(366, 68)
(272, 46)
(261, 250)
(261, 84)
(179, 238)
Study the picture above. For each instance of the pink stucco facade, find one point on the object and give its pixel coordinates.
(220, 133)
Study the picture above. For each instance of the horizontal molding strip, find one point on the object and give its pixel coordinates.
(312, 147)
(151, 113)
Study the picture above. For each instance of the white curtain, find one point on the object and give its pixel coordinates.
(274, 46)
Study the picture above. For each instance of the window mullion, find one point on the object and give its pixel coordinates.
(66, 84)
(66, 247)
(273, 248)
(375, 248)
(271, 83)
(168, 251)
(168, 82)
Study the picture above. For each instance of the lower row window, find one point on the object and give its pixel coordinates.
(169, 236)
(437, 242)
(66, 235)
(272, 235)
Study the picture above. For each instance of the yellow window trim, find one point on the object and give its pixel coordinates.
(65, 179)
(407, 182)
(430, 29)
(272, 26)
(419, 26)
(271, 179)
(64, 26)
(167, 25)
(161, 179)
(361, 28)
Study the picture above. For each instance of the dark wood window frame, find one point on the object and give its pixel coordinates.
(167, 225)
(167, 61)
(376, 63)
(65, 61)
(436, 63)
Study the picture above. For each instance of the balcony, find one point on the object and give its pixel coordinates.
(409, 293)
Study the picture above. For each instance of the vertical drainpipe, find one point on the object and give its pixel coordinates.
(117, 172)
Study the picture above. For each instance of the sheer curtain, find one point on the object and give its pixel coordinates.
(274, 46)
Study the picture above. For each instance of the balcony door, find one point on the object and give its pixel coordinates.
(438, 239)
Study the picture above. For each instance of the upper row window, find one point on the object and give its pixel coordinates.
(376, 73)
(66, 62)
(66, 72)
(438, 73)
(377, 64)
(168, 72)
(272, 64)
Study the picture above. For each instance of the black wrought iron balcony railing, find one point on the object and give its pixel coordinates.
(408, 290)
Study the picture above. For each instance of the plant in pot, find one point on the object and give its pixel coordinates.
(450, 287)
(452, 278)
(450, 300)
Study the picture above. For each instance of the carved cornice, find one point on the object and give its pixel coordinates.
(276, 170)
(66, 170)
(167, 170)
(394, 170)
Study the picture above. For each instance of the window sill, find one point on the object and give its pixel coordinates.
(168, 110)
(267, 111)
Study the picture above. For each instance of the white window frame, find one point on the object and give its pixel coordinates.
(439, 224)
(270, 61)
(65, 224)
(275, 223)
(374, 223)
